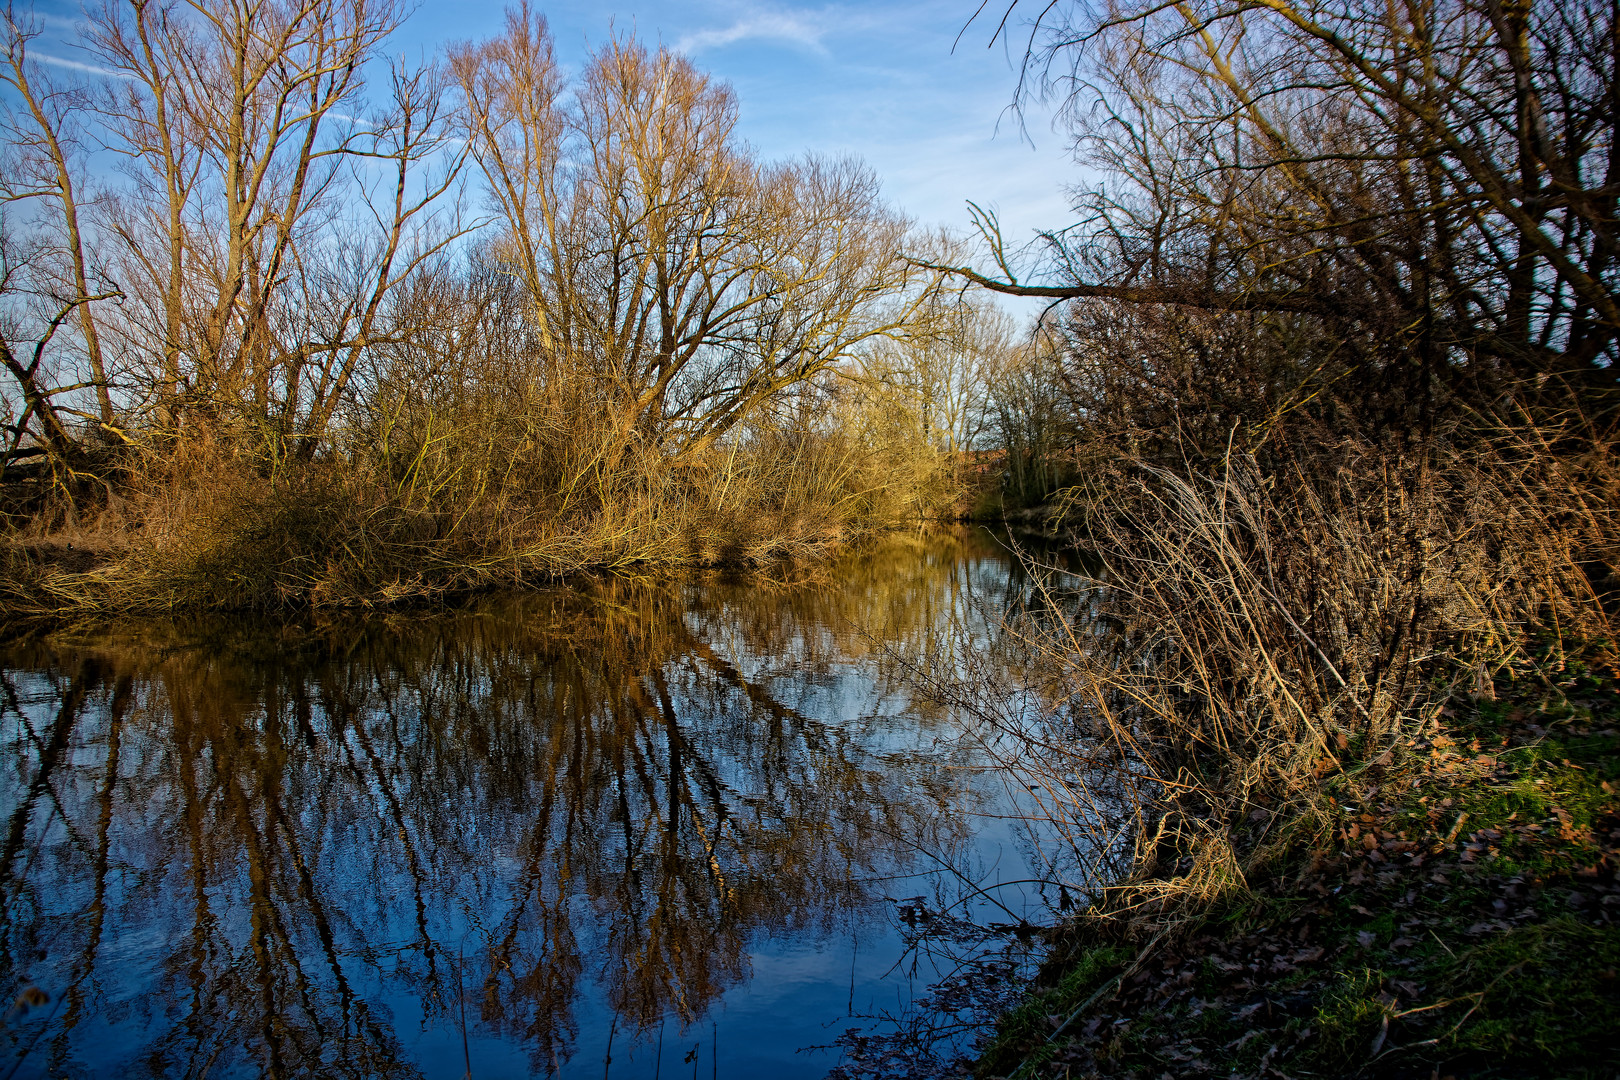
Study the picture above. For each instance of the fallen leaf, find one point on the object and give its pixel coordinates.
(1383, 1033)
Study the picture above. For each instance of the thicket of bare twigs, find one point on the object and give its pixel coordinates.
(1292, 604)
(1337, 382)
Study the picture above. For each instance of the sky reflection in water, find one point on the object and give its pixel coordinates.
(661, 821)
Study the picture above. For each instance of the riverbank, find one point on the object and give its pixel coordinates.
(1454, 912)
(220, 536)
(65, 575)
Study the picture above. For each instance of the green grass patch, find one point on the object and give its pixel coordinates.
(1023, 1033)
(1535, 1000)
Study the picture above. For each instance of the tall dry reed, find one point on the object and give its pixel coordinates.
(1264, 628)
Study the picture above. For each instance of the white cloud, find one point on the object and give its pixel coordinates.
(792, 29)
(75, 65)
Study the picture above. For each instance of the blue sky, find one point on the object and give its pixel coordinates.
(879, 80)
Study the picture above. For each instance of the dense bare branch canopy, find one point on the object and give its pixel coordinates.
(1444, 173)
(279, 213)
(692, 280)
(393, 329)
(255, 208)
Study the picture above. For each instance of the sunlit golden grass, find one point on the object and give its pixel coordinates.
(437, 504)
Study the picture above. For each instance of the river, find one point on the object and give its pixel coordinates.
(674, 826)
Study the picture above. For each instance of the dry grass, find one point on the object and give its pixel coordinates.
(1263, 627)
(445, 501)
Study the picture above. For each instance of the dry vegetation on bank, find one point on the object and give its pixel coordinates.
(1361, 814)
(289, 323)
(1335, 373)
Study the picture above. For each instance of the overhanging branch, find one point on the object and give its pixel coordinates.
(1195, 296)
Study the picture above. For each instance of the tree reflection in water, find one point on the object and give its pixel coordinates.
(238, 849)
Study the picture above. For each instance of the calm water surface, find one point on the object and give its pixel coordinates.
(622, 828)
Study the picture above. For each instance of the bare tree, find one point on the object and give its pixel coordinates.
(271, 211)
(40, 184)
(945, 370)
(226, 113)
(35, 309)
(1436, 181)
(688, 281)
